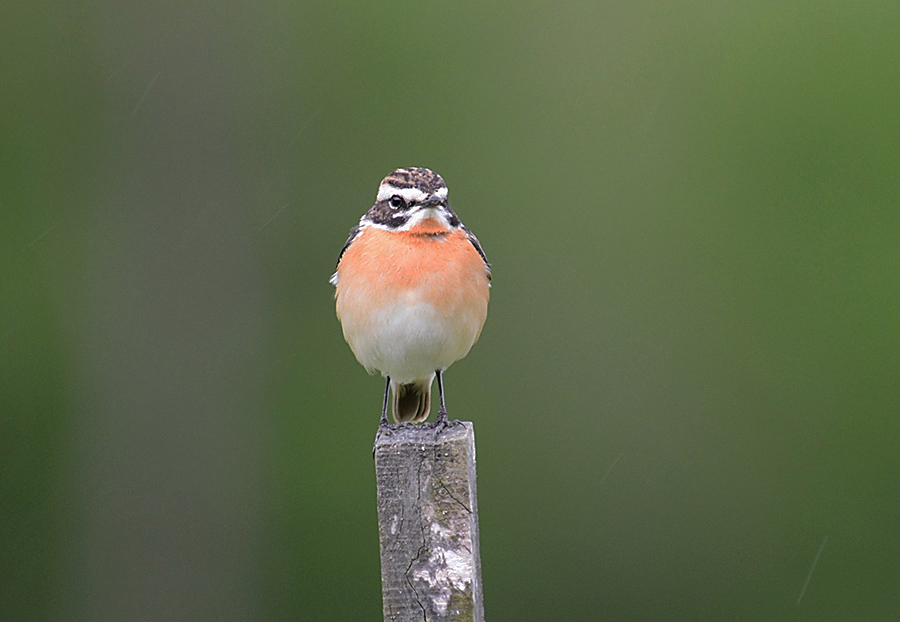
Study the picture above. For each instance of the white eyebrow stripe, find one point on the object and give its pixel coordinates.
(385, 191)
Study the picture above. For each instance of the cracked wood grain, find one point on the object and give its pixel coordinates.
(428, 523)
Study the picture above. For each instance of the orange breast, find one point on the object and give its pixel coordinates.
(442, 267)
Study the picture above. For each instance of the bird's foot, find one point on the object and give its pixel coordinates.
(442, 421)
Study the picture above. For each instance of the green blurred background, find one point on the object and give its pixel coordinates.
(688, 381)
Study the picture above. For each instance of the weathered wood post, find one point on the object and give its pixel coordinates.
(428, 523)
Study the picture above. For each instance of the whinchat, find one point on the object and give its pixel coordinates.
(412, 287)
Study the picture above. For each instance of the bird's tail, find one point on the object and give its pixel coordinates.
(412, 401)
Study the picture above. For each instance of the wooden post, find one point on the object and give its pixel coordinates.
(428, 523)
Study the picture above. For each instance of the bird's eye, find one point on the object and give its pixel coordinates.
(396, 201)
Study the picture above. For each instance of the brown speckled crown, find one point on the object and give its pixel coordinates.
(424, 179)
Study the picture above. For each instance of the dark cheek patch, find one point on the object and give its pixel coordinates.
(382, 214)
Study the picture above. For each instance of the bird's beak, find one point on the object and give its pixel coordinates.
(432, 201)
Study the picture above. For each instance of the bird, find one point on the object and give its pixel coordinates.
(411, 291)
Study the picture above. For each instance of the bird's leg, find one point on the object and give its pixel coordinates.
(442, 411)
(384, 419)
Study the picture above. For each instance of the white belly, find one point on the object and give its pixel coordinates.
(410, 339)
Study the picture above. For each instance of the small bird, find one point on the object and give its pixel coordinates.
(412, 287)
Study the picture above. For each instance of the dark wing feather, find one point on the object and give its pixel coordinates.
(477, 245)
(353, 233)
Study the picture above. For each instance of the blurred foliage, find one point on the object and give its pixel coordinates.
(687, 381)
